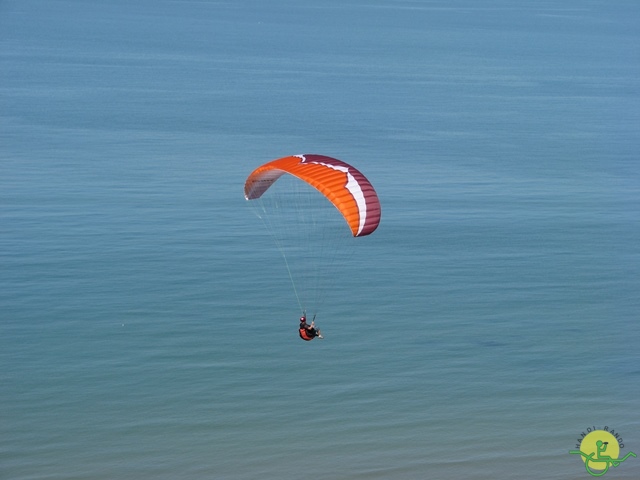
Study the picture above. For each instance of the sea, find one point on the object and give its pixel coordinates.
(148, 326)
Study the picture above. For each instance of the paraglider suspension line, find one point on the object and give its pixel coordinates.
(295, 290)
(270, 228)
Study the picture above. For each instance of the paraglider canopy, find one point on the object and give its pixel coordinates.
(347, 189)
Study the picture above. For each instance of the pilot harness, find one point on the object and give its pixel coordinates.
(304, 334)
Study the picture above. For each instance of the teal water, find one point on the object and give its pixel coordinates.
(147, 322)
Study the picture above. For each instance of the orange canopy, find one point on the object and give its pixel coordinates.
(347, 188)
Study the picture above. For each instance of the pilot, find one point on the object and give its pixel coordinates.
(308, 332)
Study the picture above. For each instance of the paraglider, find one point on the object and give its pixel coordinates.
(295, 197)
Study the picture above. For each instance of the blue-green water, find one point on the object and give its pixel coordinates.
(148, 328)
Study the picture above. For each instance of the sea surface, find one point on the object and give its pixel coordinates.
(148, 327)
